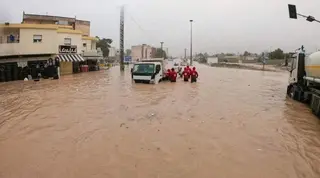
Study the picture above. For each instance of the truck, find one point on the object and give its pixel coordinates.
(304, 79)
(149, 71)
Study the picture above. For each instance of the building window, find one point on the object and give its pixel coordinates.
(67, 41)
(84, 44)
(62, 22)
(37, 38)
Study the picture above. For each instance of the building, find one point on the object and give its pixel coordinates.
(89, 51)
(142, 52)
(113, 52)
(40, 38)
(81, 25)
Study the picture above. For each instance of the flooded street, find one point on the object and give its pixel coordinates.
(232, 123)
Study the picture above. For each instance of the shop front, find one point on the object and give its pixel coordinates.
(70, 61)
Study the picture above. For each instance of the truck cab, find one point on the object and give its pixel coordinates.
(147, 72)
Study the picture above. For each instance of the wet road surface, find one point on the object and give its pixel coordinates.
(232, 123)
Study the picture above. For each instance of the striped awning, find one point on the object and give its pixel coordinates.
(70, 57)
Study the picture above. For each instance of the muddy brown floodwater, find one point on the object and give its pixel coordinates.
(232, 123)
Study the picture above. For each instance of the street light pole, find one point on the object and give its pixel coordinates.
(161, 49)
(122, 38)
(191, 42)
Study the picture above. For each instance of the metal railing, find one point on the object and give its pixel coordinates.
(6, 39)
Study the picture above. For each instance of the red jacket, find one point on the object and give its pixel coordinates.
(168, 74)
(194, 73)
(186, 74)
(173, 75)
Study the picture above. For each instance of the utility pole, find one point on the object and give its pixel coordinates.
(191, 43)
(121, 38)
(161, 49)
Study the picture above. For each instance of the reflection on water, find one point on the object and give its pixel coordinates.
(232, 123)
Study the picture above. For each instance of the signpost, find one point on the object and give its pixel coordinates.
(127, 59)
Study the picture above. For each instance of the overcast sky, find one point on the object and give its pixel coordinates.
(219, 25)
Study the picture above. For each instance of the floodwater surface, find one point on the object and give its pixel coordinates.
(231, 123)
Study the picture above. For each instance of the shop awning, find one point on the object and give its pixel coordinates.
(70, 57)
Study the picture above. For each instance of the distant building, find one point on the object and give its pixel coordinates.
(142, 52)
(112, 52)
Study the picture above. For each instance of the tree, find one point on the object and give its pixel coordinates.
(203, 58)
(277, 54)
(246, 53)
(128, 52)
(104, 44)
(160, 53)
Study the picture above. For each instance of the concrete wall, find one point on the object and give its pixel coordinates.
(5, 32)
(66, 68)
(212, 60)
(83, 26)
(249, 61)
(88, 46)
(47, 45)
(230, 60)
(136, 52)
(142, 52)
(27, 46)
(112, 52)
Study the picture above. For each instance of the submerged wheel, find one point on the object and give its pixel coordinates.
(291, 91)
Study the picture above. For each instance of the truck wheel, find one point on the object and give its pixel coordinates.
(291, 91)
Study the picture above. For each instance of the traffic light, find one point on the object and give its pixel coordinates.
(292, 11)
(310, 19)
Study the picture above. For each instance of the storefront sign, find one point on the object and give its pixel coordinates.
(67, 49)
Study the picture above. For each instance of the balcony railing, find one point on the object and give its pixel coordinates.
(9, 39)
(9, 49)
(91, 53)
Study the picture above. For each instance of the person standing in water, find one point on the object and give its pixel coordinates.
(194, 75)
(186, 74)
(173, 75)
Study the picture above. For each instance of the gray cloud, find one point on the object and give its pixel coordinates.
(219, 26)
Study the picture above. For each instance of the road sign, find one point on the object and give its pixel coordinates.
(127, 59)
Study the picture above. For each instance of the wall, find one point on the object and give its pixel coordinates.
(88, 47)
(66, 68)
(249, 61)
(48, 44)
(275, 62)
(26, 45)
(83, 26)
(112, 52)
(136, 52)
(5, 32)
(93, 45)
(212, 60)
(76, 39)
(230, 60)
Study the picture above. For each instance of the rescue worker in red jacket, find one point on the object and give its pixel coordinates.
(186, 74)
(168, 74)
(173, 76)
(189, 69)
(194, 75)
